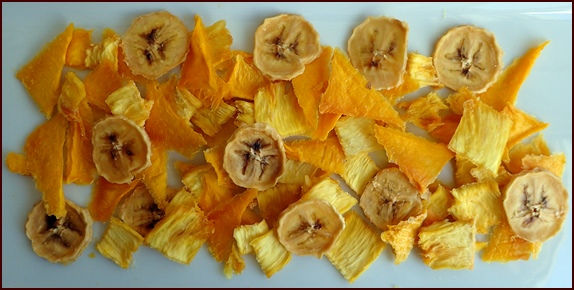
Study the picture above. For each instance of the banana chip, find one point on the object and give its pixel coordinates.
(448, 245)
(119, 242)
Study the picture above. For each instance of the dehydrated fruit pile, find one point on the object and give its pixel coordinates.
(161, 87)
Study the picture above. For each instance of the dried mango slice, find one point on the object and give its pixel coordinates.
(329, 189)
(127, 101)
(198, 70)
(119, 242)
(210, 120)
(448, 245)
(325, 125)
(474, 138)
(424, 112)
(212, 192)
(192, 188)
(555, 162)
(100, 83)
(180, 234)
(505, 246)
(155, 176)
(270, 253)
(402, 236)
(244, 234)
(164, 126)
(106, 196)
(419, 159)
(296, 171)
(443, 133)
(505, 90)
(437, 207)
(277, 106)
(421, 69)
(359, 170)
(234, 264)
(357, 135)
(71, 95)
(536, 146)
(347, 93)
(221, 137)
(480, 202)
(357, 248)
(523, 125)
(456, 100)
(274, 200)
(41, 76)
(17, 163)
(79, 44)
(214, 156)
(105, 51)
(245, 79)
(409, 85)
(226, 216)
(327, 155)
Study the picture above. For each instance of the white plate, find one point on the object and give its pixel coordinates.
(547, 94)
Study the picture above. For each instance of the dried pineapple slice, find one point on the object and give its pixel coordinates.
(244, 234)
(462, 174)
(270, 253)
(505, 246)
(245, 79)
(234, 264)
(502, 177)
(357, 248)
(555, 162)
(329, 189)
(183, 103)
(523, 125)
(357, 135)
(419, 159)
(457, 99)
(274, 200)
(119, 242)
(210, 120)
(103, 80)
(192, 187)
(327, 155)
(180, 234)
(348, 93)
(107, 50)
(296, 171)
(359, 170)
(474, 138)
(402, 236)
(77, 49)
(106, 196)
(536, 146)
(421, 69)
(448, 245)
(245, 113)
(277, 106)
(437, 207)
(424, 112)
(480, 202)
(127, 101)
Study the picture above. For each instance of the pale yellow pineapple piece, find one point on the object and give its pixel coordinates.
(457, 99)
(246, 233)
(357, 248)
(184, 103)
(210, 120)
(448, 245)
(119, 242)
(245, 113)
(421, 69)
(480, 202)
(295, 172)
(424, 112)
(359, 170)
(402, 236)
(462, 171)
(555, 162)
(274, 200)
(357, 135)
(234, 264)
(329, 189)
(481, 135)
(180, 234)
(127, 101)
(192, 188)
(536, 146)
(502, 177)
(107, 50)
(437, 206)
(270, 253)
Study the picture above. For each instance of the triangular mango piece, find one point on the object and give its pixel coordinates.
(523, 125)
(76, 54)
(155, 176)
(424, 112)
(327, 155)
(536, 146)
(505, 246)
(103, 80)
(106, 196)
(245, 79)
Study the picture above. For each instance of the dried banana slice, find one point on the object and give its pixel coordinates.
(59, 240)
(284, 44)
(310, 227)
(154, 44)
(378, 49)
(139, 211)
(390, 198)
(536, 204)
(254, 156)
(467, 56)
(121, 149)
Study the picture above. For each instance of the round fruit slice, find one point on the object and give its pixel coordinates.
(284, 44)
(536, 204)
(139, 211)
(467, 56)
(254, 156)
(310, 227)
(59, 240)
(378, 49)
(154, 44)
(390, 198)
(121, 149)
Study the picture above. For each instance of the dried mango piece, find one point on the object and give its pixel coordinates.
(127, 101)
(106, 196)
(198, 71)
(107, 50)
(214, 156)
(359, 170)
(424, 112)
(555, 162)
(523, 125)
(212, 97)
(480, 202)
(17, 163)
(277, 106)
(155, 176)
(192, 188)
(505, 246)
(180, 234)
(329, 189)
(219, 41)
(165, 128)
(295, 172)
(456, 100)
(448, 245)
(462, 174)
(357, 135)
(79, 44)
(71, 95)
(274, 200)
(245, 79)
(221, 137)
(536, 146)
(270, 253)
(212, 192)
(419, 159)
(325, 125)
(408, 86)
(421, 69)
(474, 138)
(437, 207)
(357, 248)
(327, 155)
(226, 216)
(100, 83)
(347, 93)
(234, 264)
(244, 234)
(210, 120)
(443, 133)
(505, 90)
(41, 76)
(119, 242)
(402, 236)
(245, 112)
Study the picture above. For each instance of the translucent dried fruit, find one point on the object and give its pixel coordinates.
(327, 155)
(119, 242)
(214, 156)
(537, 146)
(421, 69)
(456, 100)
(270, 254)
(523, 125)
(402, 236)
(103, 80)
(234, 264)
(408, 86)
(77, 49)
(17, 163)
(245, 79)
(555, 162)
(443, 133)
(448, 245)
(106, 196)
(107, 50)
(462, 174)
(437, 206)
(155, 176)
(505, 246)
(424, 112)
(211, 120)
